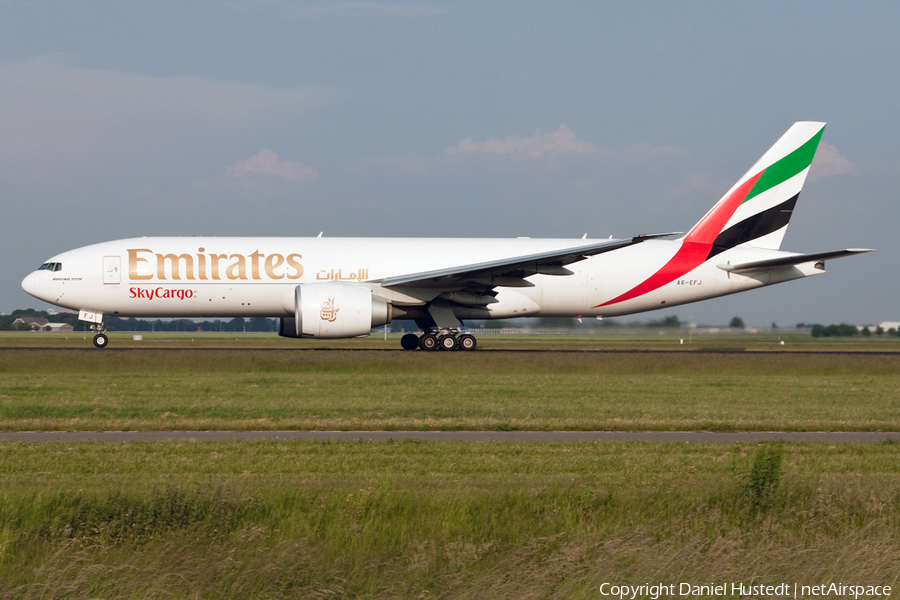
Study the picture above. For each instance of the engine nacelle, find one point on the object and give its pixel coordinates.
(334, 310)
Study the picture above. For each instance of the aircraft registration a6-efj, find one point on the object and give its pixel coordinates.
(343, 287)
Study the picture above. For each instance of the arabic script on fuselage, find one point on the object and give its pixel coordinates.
(339, 275)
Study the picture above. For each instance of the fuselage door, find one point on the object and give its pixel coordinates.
(111, 270)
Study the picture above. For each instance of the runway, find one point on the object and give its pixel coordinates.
(557, 437)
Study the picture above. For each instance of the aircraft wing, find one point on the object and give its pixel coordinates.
(796, 259)
(511, 272)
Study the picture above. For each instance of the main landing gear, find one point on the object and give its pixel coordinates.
(438, 341)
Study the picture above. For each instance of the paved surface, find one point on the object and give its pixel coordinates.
(453, 436)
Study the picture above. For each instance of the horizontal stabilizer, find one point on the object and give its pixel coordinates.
(795, 259)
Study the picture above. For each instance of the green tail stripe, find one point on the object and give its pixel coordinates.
(787, 167)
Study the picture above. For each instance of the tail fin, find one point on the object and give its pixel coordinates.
(757, 209)
(754, 212)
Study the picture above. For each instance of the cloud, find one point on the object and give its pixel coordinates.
(828, 162)
(557, 151)
(60, 122)
(562, 141)
(358, 9)
(266, 163)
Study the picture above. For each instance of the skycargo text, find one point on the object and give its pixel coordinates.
(160, 292)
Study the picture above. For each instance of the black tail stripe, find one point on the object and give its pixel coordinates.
(754, 227)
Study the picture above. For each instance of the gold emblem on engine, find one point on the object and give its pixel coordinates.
(328, 312)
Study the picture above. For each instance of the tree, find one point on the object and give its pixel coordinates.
(847, 330)
(670, 321)
(235, 324)
(842, 330)
(557, 323)
(737, 323)
(261, 324)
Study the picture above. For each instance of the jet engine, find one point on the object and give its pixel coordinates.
(334, 310)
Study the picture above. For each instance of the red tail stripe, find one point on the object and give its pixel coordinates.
(688, 257)
(695, 247)
(713, 223)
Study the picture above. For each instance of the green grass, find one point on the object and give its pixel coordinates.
(448, 520)
(660, 339)
(360, 387)
(445, 520)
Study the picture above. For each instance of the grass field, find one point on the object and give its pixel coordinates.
(657, 339)
(443, 520)
(218, 383)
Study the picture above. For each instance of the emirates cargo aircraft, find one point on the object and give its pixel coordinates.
(343, 287)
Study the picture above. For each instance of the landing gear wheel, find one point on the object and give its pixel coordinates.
(447, 342)
(410, 341)
(466, 342)
(428, 342)
(100, 340)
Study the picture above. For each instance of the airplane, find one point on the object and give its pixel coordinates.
(343, 287)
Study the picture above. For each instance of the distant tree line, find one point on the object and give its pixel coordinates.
(845, 330)
(255, 324)
(262, 324)
(572, 323)
(238, 324)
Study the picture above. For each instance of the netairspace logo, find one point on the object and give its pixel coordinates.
(781, 590)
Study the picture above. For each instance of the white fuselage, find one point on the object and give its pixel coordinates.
(234, 277)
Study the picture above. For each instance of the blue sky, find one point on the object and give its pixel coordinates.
(453, 119)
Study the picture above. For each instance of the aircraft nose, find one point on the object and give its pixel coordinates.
(29, 284)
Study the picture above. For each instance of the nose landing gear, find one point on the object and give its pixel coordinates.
(96, 320)
(101, 340)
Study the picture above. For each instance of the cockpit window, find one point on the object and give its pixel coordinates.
(50, 267)
(44, 267)
(57, 266)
